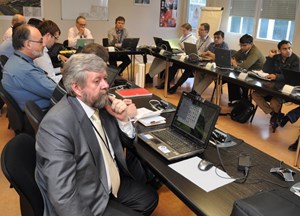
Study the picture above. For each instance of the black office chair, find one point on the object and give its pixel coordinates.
(34, 114)
(66, 44)
(18, 161)
(3, 60)
(16, 117)
(105, 42)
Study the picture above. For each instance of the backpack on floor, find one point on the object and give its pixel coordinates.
(242, 111)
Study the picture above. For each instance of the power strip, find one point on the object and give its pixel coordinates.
(218, 136)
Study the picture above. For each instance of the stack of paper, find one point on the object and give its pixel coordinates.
(259, 74)
(148, 117)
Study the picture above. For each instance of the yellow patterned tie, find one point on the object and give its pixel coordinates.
(109, 162)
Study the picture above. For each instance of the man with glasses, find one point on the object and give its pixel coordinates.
(21, 78)
(50, 32)
(78, 31)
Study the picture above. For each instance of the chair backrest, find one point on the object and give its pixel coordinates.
(18, 161)
(34, 114)
(15, 114)
(105, 42)
(3, 60)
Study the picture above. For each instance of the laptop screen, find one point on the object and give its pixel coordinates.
(196, 118)
(291, 77)
(190, 48)
(157, 41)
(82, 42)
(223, 58)
(112, 73)
(130, 43)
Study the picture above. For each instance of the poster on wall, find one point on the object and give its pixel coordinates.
(168, 13)
(28, 8)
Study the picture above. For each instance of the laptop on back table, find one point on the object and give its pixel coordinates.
(223, 58)
(82, 42)
(190, 130)
(291, 77)
(130, 44)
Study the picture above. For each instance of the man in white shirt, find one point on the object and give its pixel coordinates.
(78, 31)
(50, 32)
(17, 18)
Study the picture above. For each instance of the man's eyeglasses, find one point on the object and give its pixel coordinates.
(56, 38)
(81, 24)
(39, 41)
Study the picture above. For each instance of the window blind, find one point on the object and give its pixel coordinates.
(279, 9)
(243, 8)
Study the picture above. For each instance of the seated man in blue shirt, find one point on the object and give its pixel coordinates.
(21, 78)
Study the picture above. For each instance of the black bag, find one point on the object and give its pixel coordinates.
(276, 202)
(242, 111)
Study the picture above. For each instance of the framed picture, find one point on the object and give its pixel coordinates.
(168, 13)
(142, 2)
(33, 8)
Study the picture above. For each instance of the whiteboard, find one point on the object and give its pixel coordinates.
(90, 9)
(212, 16)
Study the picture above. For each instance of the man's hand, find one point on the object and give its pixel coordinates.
(131, 108)
(118, 109)
(271, 76)
(272, 53)
(234, 62)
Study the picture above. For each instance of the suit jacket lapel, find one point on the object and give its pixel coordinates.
(90, 138)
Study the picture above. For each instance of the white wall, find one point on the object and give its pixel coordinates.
(141, 21)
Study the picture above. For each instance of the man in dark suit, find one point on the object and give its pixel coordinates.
(73, 170)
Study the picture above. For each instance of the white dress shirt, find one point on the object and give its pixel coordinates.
(7, 34)
(73, 35)
(44, 62)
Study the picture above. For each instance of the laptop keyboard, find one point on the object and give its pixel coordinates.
(176, 141)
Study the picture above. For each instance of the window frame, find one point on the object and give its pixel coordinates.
(257, 23)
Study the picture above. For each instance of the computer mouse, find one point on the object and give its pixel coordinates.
(205, 165)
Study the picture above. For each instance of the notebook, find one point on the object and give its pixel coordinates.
(82, 42)
(291, 77)
(223, 58)
(190, 130)
(130, 44)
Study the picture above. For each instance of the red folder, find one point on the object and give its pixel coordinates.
(134, 92)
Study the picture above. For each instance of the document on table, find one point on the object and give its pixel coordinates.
(207, 180)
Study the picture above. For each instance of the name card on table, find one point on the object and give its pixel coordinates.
(287, 89)
(242, 76)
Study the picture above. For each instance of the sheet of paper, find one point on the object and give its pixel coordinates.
(207, 180)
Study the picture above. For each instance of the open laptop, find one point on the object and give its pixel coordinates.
(112, 73)
(223, 58)
(82, 42)
(157, 41)
(166, 46)
(291, 77)
(190, 130)
(129, 44)
(191, 51)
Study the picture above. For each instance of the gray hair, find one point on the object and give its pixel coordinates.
(75, 69)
